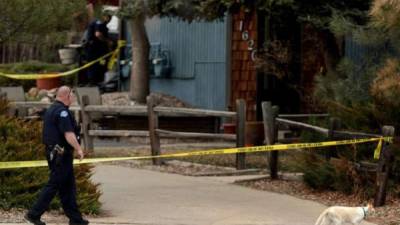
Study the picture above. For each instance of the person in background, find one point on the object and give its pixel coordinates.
(96, 43)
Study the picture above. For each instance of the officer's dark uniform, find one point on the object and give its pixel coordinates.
(58, 120)
(95, 48)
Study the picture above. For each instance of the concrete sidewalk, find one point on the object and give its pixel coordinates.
(135, 196)
(142, 197)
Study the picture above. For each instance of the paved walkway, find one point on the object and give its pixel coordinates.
(142, 197)
(147, 197)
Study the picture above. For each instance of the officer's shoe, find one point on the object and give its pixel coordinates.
(81, 222)
(35, 221)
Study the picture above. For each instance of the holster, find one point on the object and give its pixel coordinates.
(78, 133)
(56, 154)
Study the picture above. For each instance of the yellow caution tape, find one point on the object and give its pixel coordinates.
(263, 148)
(113, 54)
(378, 149)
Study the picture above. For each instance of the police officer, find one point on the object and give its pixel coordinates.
(61, 137)
(96, 44)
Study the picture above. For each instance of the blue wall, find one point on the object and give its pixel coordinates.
(198, 53)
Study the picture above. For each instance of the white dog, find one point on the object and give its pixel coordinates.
(339, 215)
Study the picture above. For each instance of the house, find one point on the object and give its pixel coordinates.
(211, 64)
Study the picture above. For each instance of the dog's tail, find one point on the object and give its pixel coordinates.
(321, 219)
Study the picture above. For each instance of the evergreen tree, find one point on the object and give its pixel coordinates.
(364, 90)
(37, 21)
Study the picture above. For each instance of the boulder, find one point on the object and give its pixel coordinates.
(33, 92)
(45, 100)
(42, 93)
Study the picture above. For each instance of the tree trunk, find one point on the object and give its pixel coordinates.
(139, 86)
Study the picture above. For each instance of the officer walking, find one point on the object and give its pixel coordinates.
(61, 137)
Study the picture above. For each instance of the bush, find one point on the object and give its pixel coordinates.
(363, 90)
(333, 168)
(336, 174)
(317, 173)
(19, 188)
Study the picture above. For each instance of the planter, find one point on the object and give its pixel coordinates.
(67, 55)
(254, 132)
(48, 84)
(229, 128)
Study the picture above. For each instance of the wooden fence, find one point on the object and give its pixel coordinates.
(21, 52)
(272, 120)
(154, 133)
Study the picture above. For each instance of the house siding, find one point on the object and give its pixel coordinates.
(198, 55)
(243, 72)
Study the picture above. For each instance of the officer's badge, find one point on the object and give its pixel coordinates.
(64, 113)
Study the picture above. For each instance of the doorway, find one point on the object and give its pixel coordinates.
(280, 90)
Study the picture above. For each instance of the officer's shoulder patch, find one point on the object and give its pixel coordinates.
(64, 113)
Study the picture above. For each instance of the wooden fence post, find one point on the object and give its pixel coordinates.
(153, 126)
(384, 168)
(270, 130)
(240, 133)
(334, 124)
(86, 124)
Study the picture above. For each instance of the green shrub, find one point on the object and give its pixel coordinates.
(318, 173)
(19, 188)
(310, 136)
(363, 91)
(345, 176)
(336, 174)
(333, 168)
